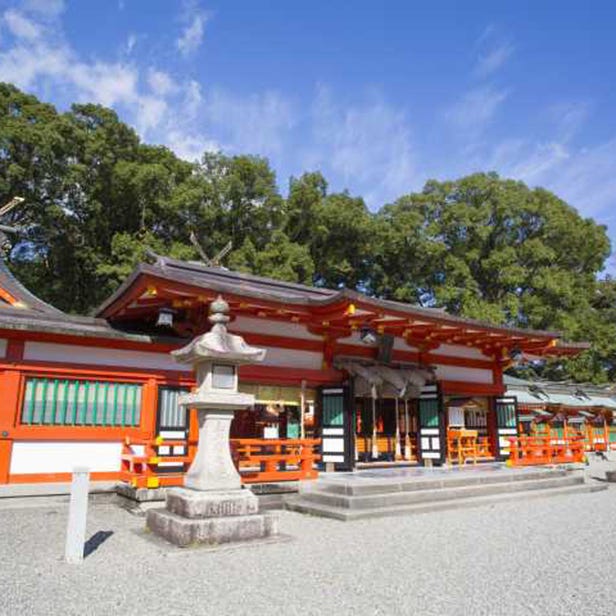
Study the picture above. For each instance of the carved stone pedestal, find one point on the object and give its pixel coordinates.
(193, 517)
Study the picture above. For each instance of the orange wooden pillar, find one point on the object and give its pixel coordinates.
(10, 390)
(149, 408)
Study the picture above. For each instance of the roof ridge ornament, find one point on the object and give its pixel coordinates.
(205, 260)
(5, 243)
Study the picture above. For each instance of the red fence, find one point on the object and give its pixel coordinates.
(533, 450)
(258, 461)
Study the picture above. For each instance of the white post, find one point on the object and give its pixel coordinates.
(398, 449)
(375, 445)
(77, 517)
(302, 410)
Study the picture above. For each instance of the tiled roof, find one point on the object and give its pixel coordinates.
(25, 299)
(223, 281)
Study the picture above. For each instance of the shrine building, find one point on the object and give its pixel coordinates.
(375, 382)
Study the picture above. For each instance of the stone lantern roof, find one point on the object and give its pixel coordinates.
(218, 343)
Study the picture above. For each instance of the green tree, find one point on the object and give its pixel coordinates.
(495, 249)
(304, 203)
(479, 246)
(341, 242)
(280, 259)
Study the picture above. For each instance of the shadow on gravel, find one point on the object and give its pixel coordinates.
(95, 541)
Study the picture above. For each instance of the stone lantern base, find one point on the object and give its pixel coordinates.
(196, 517)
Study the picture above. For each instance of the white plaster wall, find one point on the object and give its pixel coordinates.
(271, 328)
(62, 457)
(455, 350)
(44, 351)
(3, 343)
(399, 343)
(291, 358)
(458, 373)
(352, 339)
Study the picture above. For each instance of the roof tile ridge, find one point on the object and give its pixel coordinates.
(224, 272)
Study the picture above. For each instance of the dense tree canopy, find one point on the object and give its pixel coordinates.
(481, 246)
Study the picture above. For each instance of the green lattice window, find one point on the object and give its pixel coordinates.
(333, 410)
(428, 413)
(63, 402)
(505, 413)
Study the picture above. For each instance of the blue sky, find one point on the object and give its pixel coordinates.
(378, 96)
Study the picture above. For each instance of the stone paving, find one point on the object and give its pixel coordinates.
(549, 557)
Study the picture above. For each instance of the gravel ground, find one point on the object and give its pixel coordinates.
(548, 556)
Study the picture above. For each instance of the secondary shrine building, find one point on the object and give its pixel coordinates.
(377, 382)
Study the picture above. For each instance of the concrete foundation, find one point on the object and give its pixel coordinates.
(195, 517)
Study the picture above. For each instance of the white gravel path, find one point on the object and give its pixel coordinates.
(553, 556)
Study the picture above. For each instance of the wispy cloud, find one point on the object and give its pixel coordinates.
(491, 61)
(131, 41)
(364, 143)
(160, 82)
(476, 108)
(192, 34)
(493, 51)
(258, 123)
(367, 146)
(45, 8)
(20, 26)
(567, 117)
(39, 59)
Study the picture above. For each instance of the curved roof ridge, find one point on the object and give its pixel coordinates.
(269, 289)
(11, 285)
(226, 273)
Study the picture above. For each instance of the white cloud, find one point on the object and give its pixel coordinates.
(160, 82)
(493, 50)
(192, 35)
(46, 62)
(189, 146)
(476, 109)
(367, 146)
(256, 123)
(588, 179)
(46, 8)
(568, 117)
(131, 41)
(20, 26)
(491, 61)
(192, 99)
(105, 83)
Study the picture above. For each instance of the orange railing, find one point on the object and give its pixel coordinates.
(534, 450)
(258, 460)
(465, 445)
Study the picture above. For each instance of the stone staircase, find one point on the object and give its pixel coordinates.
(354, 496)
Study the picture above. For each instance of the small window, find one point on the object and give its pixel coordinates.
(63, 402)
(223, 377)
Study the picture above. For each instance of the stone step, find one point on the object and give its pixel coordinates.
(357, 485)
(369, 501)
(301, 505)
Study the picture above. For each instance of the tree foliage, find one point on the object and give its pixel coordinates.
(480, 246)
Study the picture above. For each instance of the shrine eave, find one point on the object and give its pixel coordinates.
(191, 286)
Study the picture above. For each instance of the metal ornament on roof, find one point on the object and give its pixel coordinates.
(216, 260)
(5, 242)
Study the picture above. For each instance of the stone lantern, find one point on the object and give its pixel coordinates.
(212, 507)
